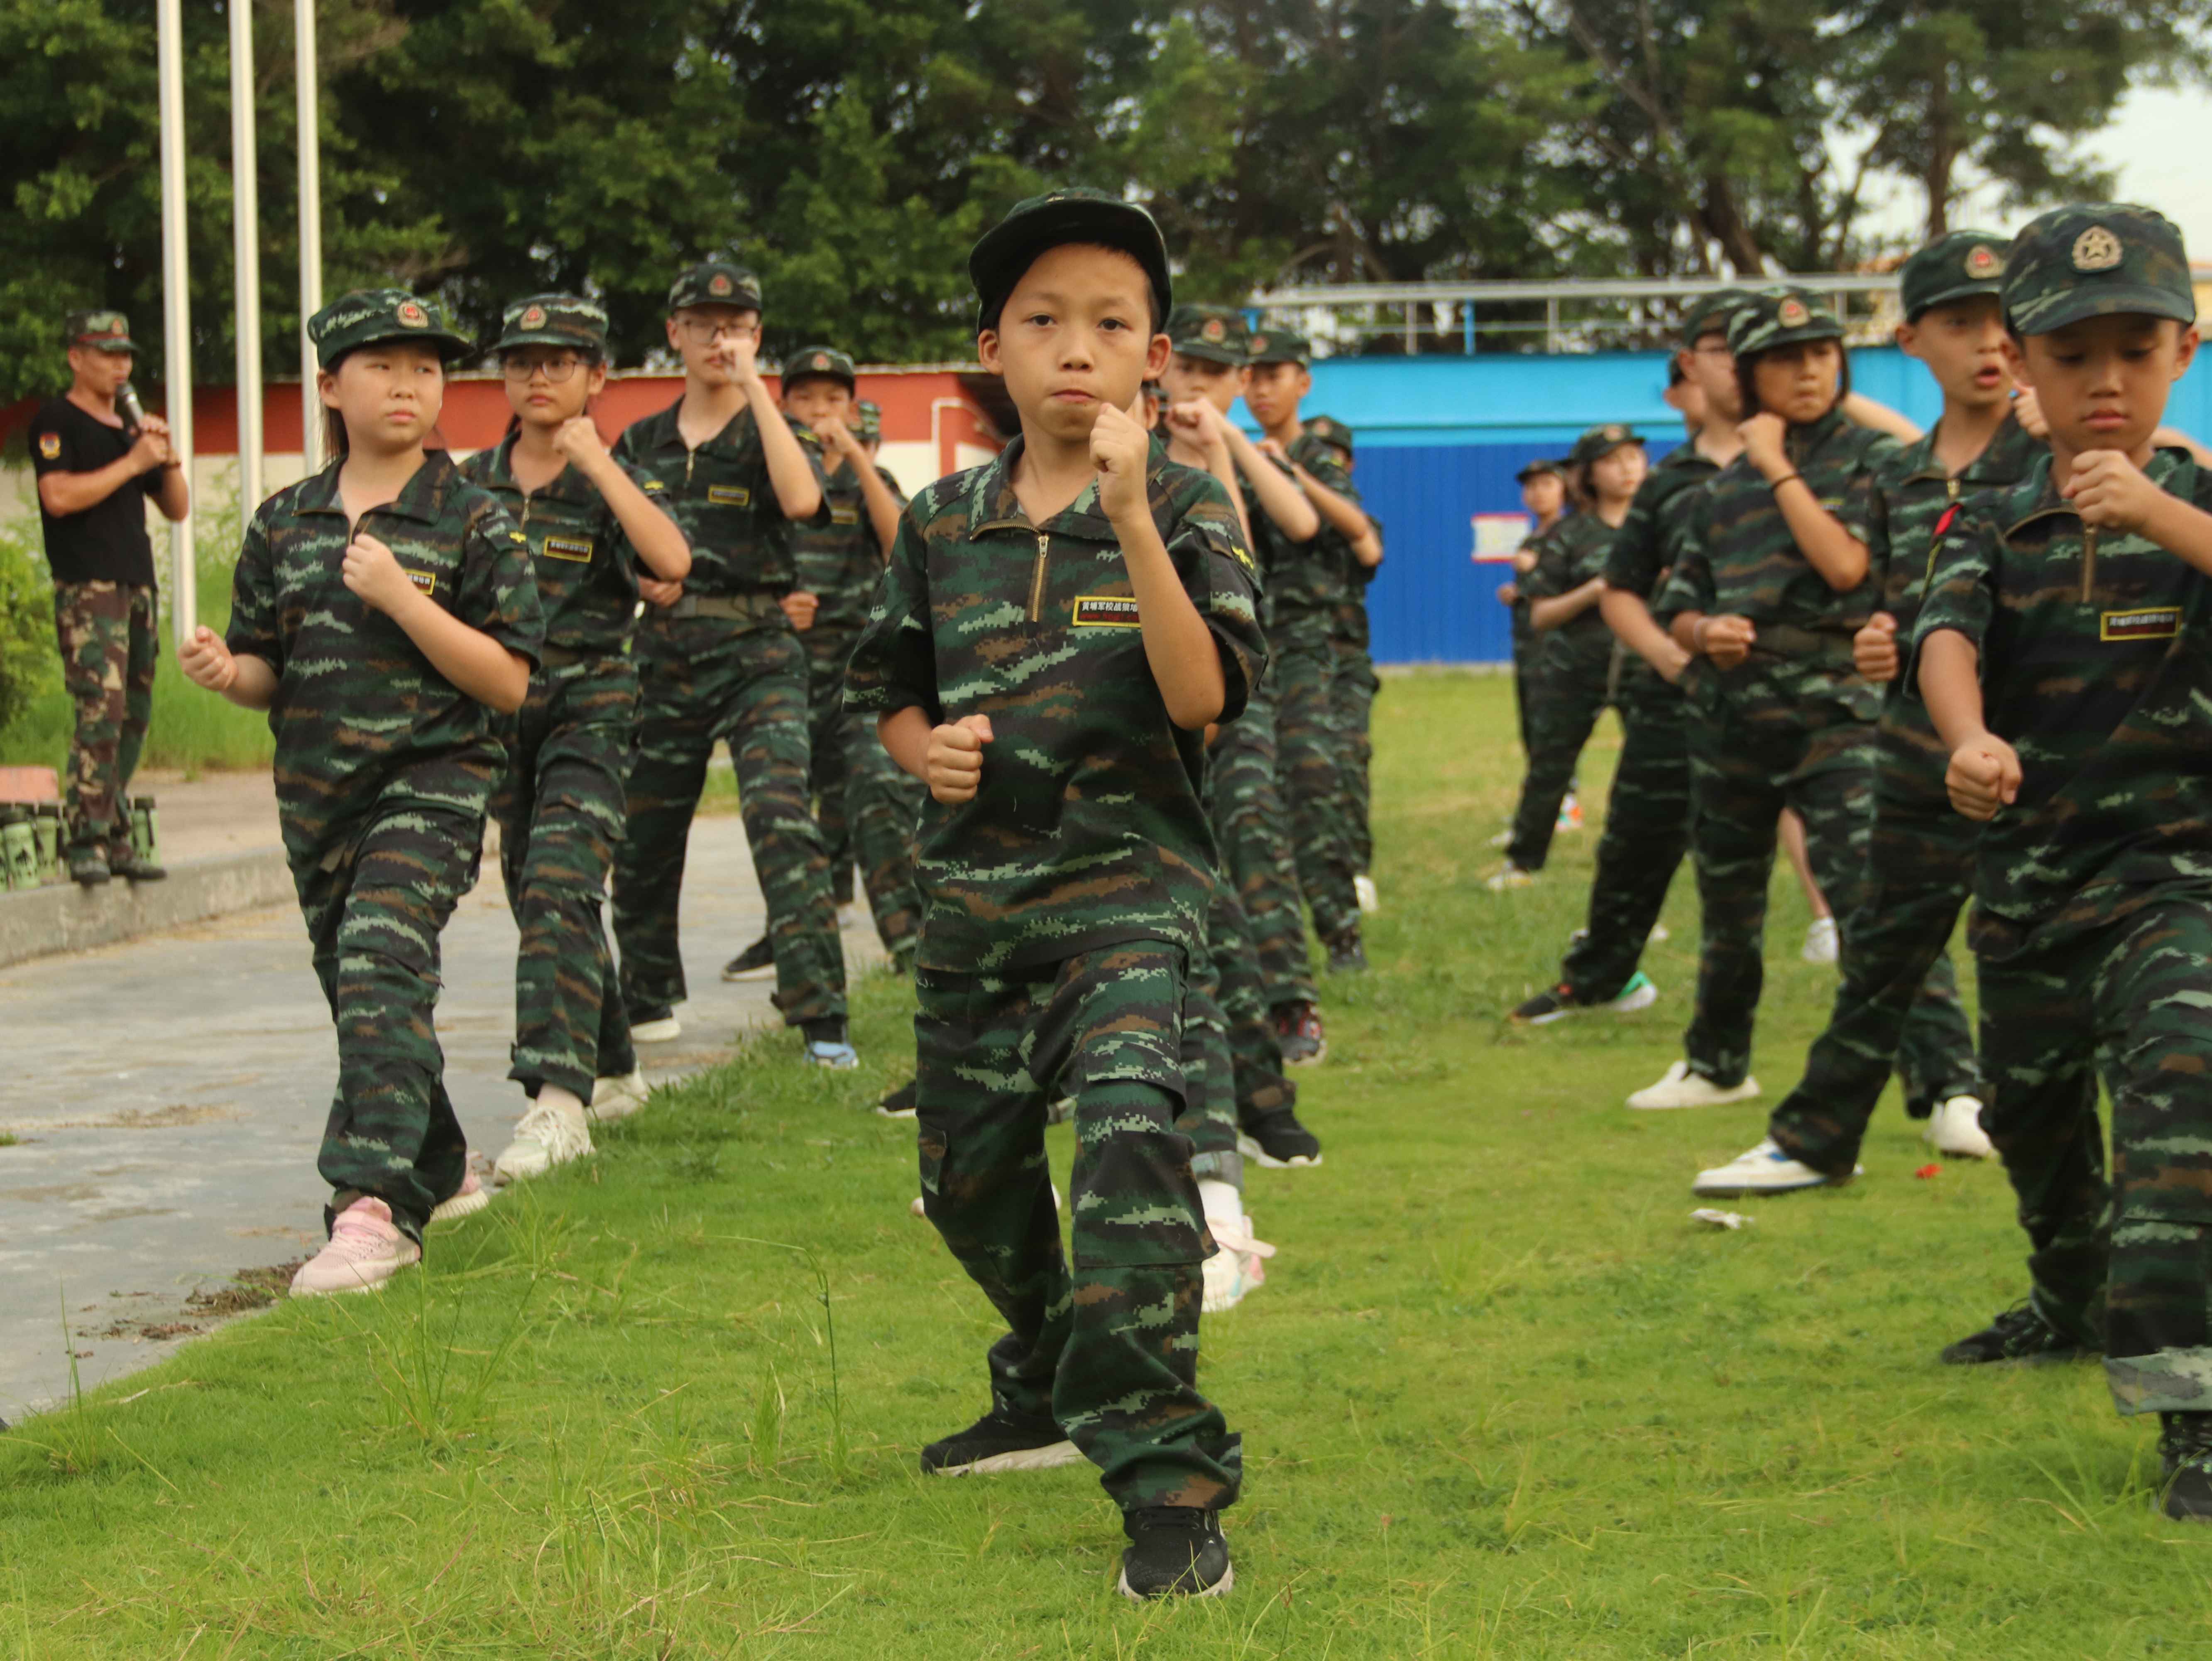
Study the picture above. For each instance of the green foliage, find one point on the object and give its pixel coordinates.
(30, 664)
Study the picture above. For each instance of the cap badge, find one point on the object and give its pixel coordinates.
(1793, 314)
(719, 284)
(412, 315)
(1212, 330)
(1614, 435)
(2096, 250)
(1984, 261)
(534, 317)
(821, 361)
(1259, 342)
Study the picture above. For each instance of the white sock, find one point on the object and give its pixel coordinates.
(566, 1103)
(1219, 1201)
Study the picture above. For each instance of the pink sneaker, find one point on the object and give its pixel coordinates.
(366, 1250)
(471, 1197)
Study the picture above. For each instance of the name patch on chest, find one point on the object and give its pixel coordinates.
(573, 548)
(1106, 612)
(844, 515)
(2149, 623)
(426, 580)
(729, 496)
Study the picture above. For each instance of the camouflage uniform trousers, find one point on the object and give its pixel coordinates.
(1256, 1053)
(702, 679)
(1109, 1348)
(1524, 666)
(1564, 714)
(374, 918)
(2132, 1262)
(1311, 752)
(1353, 696)
(865, 804)
(1249, 826)
(1208, 1113)
(109, 645)
(559, 807)
(1923, 869)
(1747, 764)
(1647, 831)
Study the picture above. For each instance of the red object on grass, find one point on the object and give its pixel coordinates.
(1928, 1170)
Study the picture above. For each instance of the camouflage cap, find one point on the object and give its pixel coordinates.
(716, 282)
(1954, 267)
(553, 320)
(2098, 260)
(103, 332)
(1709, 313)
(1077, 213)
(819, 363)
(1779, 316)
(1542, 465)
(870, 422)
(1213, 334)
(1329, 430)
(369, 315)
(1280, 346)
(1602, 442)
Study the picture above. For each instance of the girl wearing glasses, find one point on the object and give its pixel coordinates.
(589, 523)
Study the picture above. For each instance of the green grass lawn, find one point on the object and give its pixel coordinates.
(1500, 1396)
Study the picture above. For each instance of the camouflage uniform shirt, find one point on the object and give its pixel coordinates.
(587, 570)
(1650, 540)
(1573, 553)
(361, 719)
(1308, 579)
(2107, 698)
(721, 497)
(1089, 827)
(840, 561)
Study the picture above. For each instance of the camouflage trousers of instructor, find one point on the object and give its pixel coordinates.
(1921, 871)
(2131, 1261)
(375, 913)
(1749, 760)
(865, 804)
(1647, 831)
(1108, 1347)
(109, 643)
(1310, 756)
(559, 814)
(1559, 723)
(1251, 828)
(744, 680)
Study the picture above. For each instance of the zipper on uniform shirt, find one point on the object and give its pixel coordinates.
(688, 454)
(1036, 580)
(2088, 564)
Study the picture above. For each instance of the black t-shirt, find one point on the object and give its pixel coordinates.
(107, 542)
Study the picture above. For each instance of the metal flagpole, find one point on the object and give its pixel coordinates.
(177, 308)
(245, 249)
(311, 227)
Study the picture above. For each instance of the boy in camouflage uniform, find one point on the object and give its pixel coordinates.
(586, 522)
(1055, 631)
(96, 473)
(384, 614)
(2065, 650)
(1353, 697)
(863, 804)
(720, 658)
(1921, 853)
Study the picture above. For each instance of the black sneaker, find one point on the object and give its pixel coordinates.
(1175, 1551)
(1346, 956)
(1001, 1441)
(2184, 1448)
(2019, 1335)
(1274, 1138)
(135, 869)
(1544, 1008)
(899, 1104)
(1298, 1032)
(89, 870)
(756, 963)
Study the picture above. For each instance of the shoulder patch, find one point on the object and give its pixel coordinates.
(49, 445)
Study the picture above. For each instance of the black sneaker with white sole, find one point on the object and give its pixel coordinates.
(1274, 1138)
(756, 963)
(1175, 1551)
(2185, 1449)
(1299, 1034)
(1001, 1441)
(899, 1104)
(2020, 1333)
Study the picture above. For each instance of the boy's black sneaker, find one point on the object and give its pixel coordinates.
(2019, 1335)
(1001, 1441)
(137, 869)
(899, 1104)
(1544, 1008)
(756, 963)
(1346, 956)
(1175, 1551)
(1299, 1034)
(1274, 1138)
(2184, 1448)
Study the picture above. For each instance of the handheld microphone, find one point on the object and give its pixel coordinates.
(127, 406)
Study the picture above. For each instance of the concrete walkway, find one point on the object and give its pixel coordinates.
(168, 1094)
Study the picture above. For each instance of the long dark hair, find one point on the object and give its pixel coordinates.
(1746, 381)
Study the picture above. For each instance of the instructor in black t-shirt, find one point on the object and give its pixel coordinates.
(95, 476)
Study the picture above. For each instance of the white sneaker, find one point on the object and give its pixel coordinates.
(659, 1032)
(1766, 1170)
(617, 1096)
(1508, 877)
(1658, 934)
(1821, 944)
(1682, 1088)
(366, 1250)
(1363, 887)
(552, 1133)
(1504, 839)
(1238, 1267)
(1638, 994)
(471, 1197)
(1955, 1130)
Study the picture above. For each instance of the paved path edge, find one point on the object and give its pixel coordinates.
(62, 917)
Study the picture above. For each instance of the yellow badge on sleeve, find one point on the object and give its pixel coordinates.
(2147, 623)
(49, 445)
(1106, 612)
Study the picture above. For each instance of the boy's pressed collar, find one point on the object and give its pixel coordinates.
(423, 497)
(664, 428)
(2002, 460)
(994, 506)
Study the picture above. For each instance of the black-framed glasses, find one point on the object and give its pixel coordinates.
(522, 370)
(705, 330)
